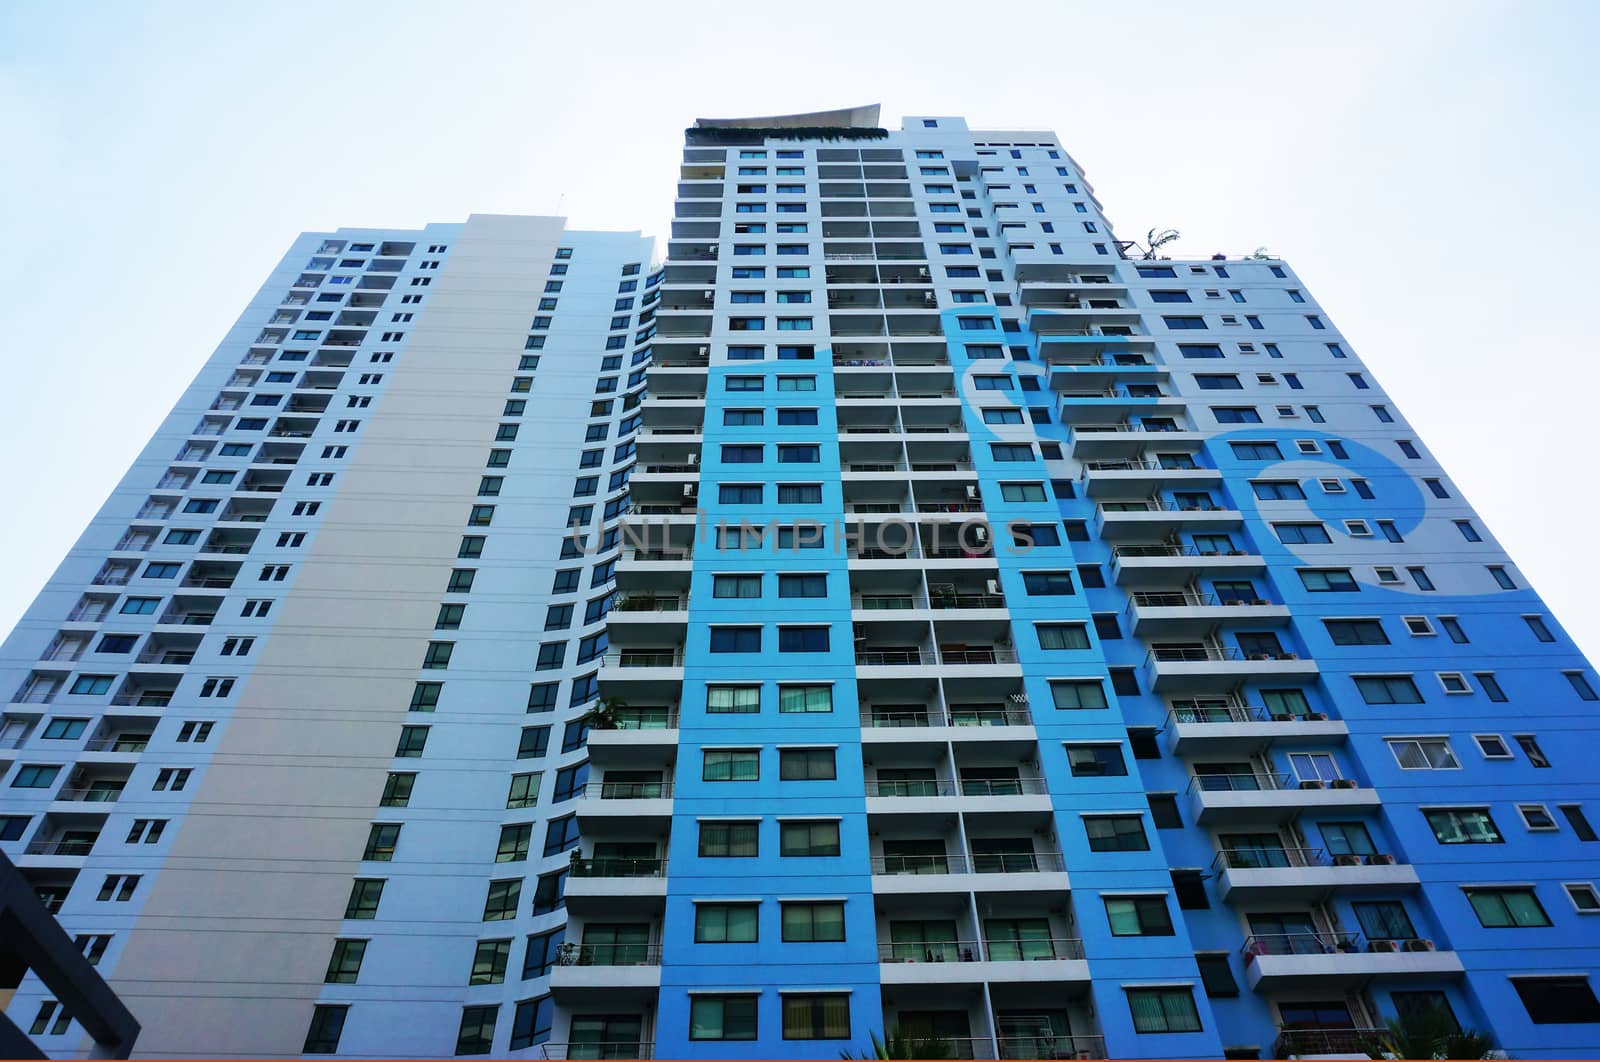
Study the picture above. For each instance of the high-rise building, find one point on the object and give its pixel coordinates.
(911, 611)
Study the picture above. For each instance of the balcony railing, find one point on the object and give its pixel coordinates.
(1052, 1047)
(1196, 654)
(649, 604)
(1303, 1043)
(117, 744)
(983, 863)
(977, 656)
(643, 658)
(633, 790)
(662, 554)
(1163, 550)
(73, 847)
(1269, 858)
(915, 717)
(1003, 786)
(617, 867)
(1309, 943)
(1240, 783)
(609, 955)
(599, 1049)
(931, 951)
(967, 601)
(888, 657)
(92, 795)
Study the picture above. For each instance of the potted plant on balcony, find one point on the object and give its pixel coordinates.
(901, 1045)
(1427, 1033)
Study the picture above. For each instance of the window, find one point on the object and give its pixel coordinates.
(1328, 580)
(1463, 826)
(501, 902)
(327, 1023)
(1356, 632)
(1507, 908)
(1580, 685)
(1047, 584)
(364, 896)
(1216, 974)
(1116, 833)
(805, 765)
(381, 841)
(803, 639)
(735, 639)
(1579, 822)
(1530, 748)
(1558, 1000)
(816, 1017)
(1256, 451)
(725, 923)
(1096, 761)
(345, 964)
(812, 922)
(735, 586)
(722, 1017)
(1072, 694)
(730, 765)
(1301, 534)
(1388, 689)
(1163, 1010)
(1423, 754)
(533, 1021)
(476, 1035)
(1583, 896)
(729, 840)
(1062, 635)
(1536, 817)
(733, 700)
(808, 839)
(804, 699)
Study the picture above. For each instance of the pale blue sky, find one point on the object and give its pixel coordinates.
(1427, 167)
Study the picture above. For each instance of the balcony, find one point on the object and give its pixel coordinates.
(606, 966)
(1159, 518)
(610, 805)
(1264, 797)
(957, 962)
(1036, 1047)
(1219, 667)
(599, 1049)
(1219, 726)
(1322, 960)
(1175, 611)
(1246, 874)
(1122, 438)
(1136, 478)
(1164, 563)
(1021, 872)
(1353, 1042)
(602, 884)
(635, 735)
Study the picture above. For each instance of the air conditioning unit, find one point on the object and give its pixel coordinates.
(1318, 717)
(992, 586)
(1344, 783)
(1419, 944)
(704, 352)
(1311, 783)
(1383, 945)
(972, 492)
(1381, 859)
(1347, 861)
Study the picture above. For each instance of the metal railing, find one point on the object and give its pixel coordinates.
(599, 1049)
(1193, 654)
(967, 601)
(1121, 552)
(1267, 857)
(169, 656)
(1139, 466)
(117, 744)
(1033, 949)
(618, 867)
(911, 787)
(931, 951)
(640, 719)
(90, 795)
(643, 658)
(888, 657)
(649, 604)
(1198, 711)
(1301, 1043)
(1171, 599)
(977, 656)
(1255, 782)
(1307, 943)
(634, 790)
(609, 955)
(884, 602)
(987, 787)
(1017, 862)
(662, 554)
(915, 717)
(1052, 1047)
(950, 507)
(144, 699)
(60, 848)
